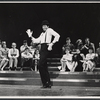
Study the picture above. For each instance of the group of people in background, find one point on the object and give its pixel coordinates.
(76, 57)
(79, 56)
(26, 54)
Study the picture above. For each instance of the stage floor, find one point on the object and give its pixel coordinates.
(36, 91)
(28, 83)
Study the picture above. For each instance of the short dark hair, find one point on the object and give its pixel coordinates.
(90, 48)
(25, 41)
(79, 40)
(3, 42)
(87, 39)
(67, 48)
(45, 22)
(68, 38)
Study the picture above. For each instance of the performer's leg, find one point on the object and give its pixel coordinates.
(87, 66)
(2, 63)
(42, 67)
(63, 65)
(45, 78)
(10, 63)
(74, 66)
(22, 61)
(15, 62)
(47, 75)
(84, 66)
(6, 62)
(36, 65)
(30, 62)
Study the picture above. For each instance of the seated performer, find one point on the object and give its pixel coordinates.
(3, 59)
(89, 62)
(4, 54)
(23, 48)
(79, 44)
(36, 59)
(87, 46)
(32, 48)
(78, 57)
(67, 60)
(68, 45)
(26, 57)
(98, 52)
(13, 54)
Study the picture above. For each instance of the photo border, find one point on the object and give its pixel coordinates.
(49, 97)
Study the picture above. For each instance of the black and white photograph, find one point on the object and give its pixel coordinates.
(49, 49)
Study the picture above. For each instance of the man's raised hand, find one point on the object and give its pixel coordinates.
(29, 32)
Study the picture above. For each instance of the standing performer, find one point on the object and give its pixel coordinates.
(46, 46)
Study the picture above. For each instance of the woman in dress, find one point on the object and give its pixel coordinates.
(89, 62)
(3, 58)
(67, 60)
(4, 55)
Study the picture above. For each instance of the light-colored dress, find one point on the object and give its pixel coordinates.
(67, 60)
(5, 52)
(89, 61)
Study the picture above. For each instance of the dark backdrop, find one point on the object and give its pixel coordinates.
(73, 20)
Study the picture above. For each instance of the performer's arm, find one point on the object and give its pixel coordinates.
(56, 36)
(84, 47)
(35, 40)
(22, 49)
(9, 53)
(1, 54)
(23, 55)
(93, 47)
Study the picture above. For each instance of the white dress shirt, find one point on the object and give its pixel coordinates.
(26, 55)
(67, 57)
(13, 52)
(46, 37)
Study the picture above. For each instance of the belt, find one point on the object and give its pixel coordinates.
(44, 43)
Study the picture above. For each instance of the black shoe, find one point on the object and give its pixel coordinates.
(43, 87)
(49, 86)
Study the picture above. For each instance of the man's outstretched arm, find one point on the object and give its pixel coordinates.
(34, 40)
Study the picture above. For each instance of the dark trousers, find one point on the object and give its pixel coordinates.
(43, 69)
(26, 62)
